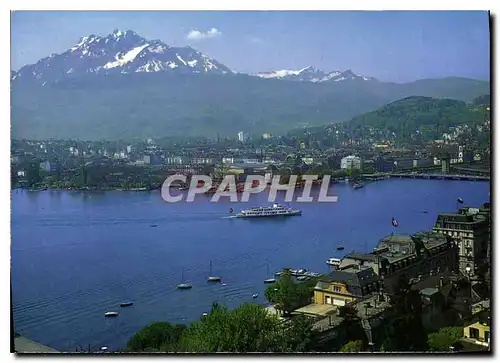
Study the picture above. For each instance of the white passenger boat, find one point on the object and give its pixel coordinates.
(276, 210)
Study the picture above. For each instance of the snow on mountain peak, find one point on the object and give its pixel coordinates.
(311, 74)
(283, 73)
(122, 59)
(117, 33)
(123, 52)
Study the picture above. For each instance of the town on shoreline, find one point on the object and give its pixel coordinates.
(144, 165)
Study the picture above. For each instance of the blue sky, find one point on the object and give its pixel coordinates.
(391, 46)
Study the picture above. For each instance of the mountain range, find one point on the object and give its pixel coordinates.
(311, 74)
(119, 52)
(125, 86)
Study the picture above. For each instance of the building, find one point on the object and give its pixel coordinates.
(477, 329)
(205, 161)
(403, 164)
(308, 160)
(242, 136)
(486, 212)
(375, 310)
(45, 166)
(266, 136)
(423, 162)
(350, 162)
(411, 256)
(156, 159)
(470, 229)
(343, 286)
(445, 165)
(382, 165)
(146, 159)
(250, 161)
(177, 160)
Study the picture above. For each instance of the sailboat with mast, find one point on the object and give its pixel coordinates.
(183, 285)
(212, 278)
(269, 280)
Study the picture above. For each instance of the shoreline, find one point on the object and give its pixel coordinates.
(86, 189)
(333, 181)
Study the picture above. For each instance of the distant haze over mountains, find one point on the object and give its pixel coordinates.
(125, 86)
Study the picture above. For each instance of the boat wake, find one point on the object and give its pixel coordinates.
(228, 217)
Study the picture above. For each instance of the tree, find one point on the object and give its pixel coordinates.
(155, 336)
(299, 335)
(444, 338)
(405, 331)
(13, 177)
(353, 328)
(354, 346)
(33, 174)
(221, 170)
(248, 328)
(288, 295)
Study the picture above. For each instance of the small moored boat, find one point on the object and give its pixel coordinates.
(212, 278)
(340, 248)
(270, 280)
(184, 285)
(110, 314)
(255, 296)
(335, 262)
(127, 303)
(357, 185)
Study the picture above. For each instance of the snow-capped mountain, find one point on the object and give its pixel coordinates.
(119, 52)
(311, 74)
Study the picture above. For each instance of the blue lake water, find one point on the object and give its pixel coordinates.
(77, 255)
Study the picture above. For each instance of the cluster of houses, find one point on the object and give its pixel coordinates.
(445, 265)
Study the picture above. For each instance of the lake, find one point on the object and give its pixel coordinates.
(77, 255)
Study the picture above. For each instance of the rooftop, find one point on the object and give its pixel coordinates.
(431, 239)
(317, 309)
(352, 276)
(371, 306)
(363, 256)
(429, 291)
(397, 238)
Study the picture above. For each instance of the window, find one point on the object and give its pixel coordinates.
(474, 333)
(336, 288)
